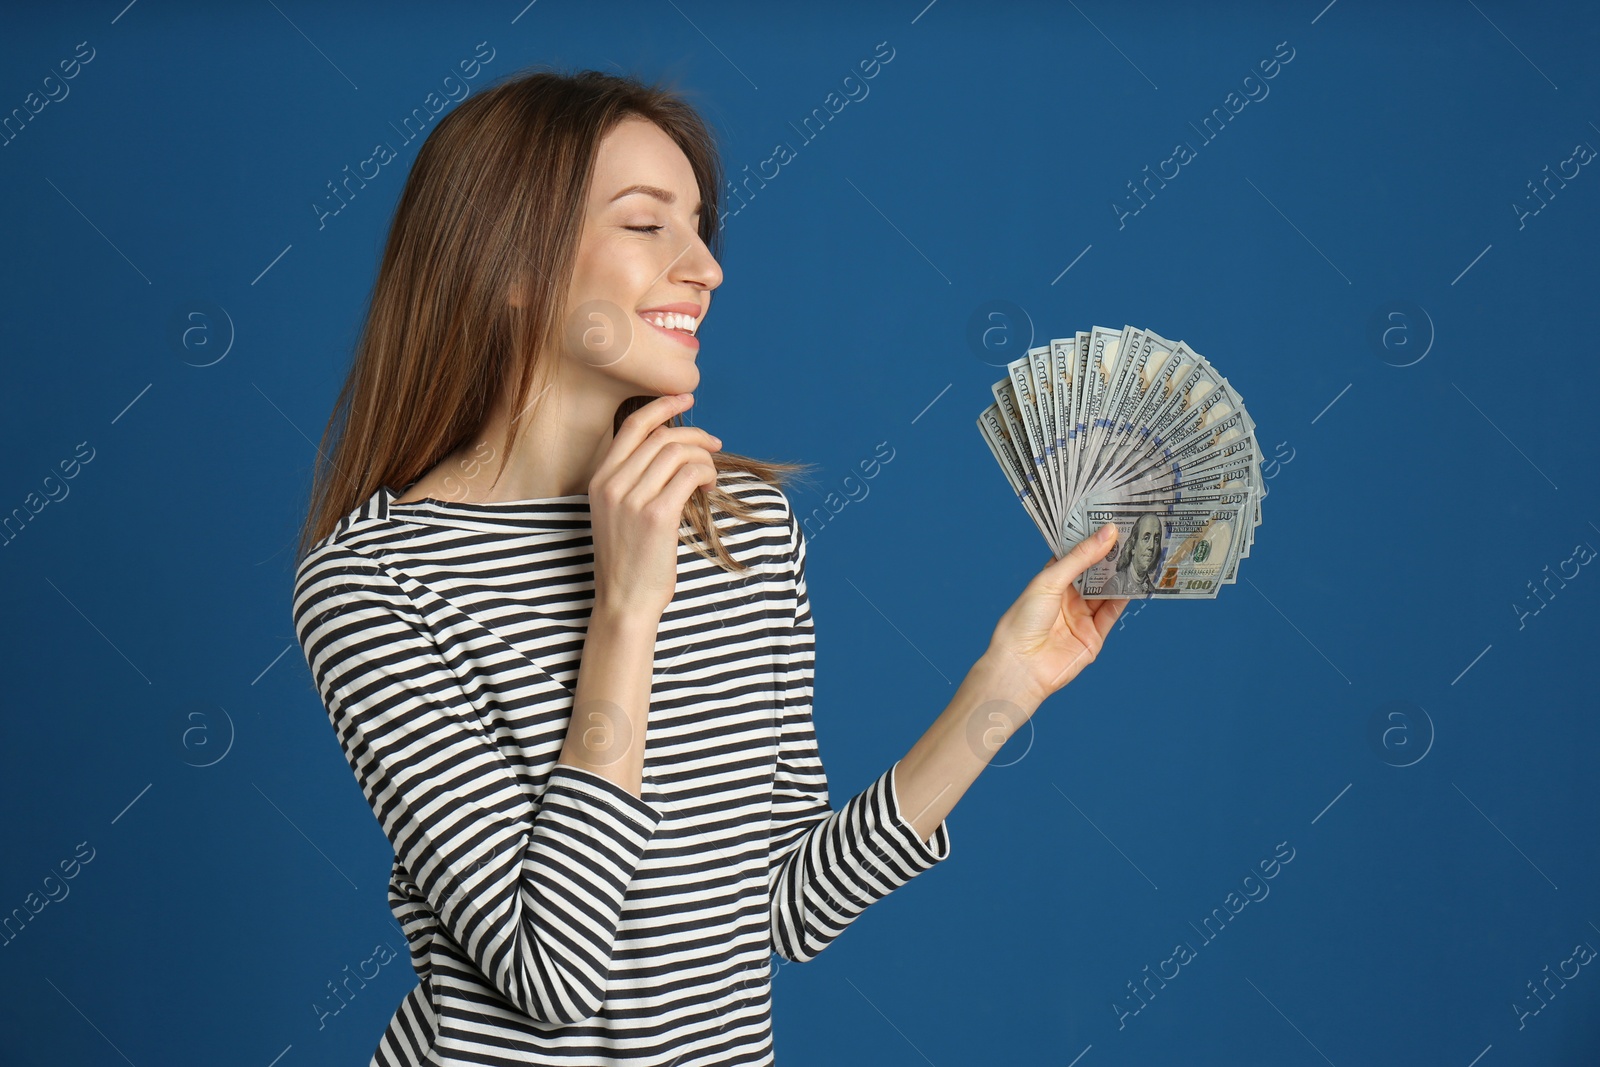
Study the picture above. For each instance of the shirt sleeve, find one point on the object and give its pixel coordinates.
(826, 867)
(530, 886)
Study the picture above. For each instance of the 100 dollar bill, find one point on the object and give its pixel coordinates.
(1173, 551)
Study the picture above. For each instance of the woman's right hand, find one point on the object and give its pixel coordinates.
(636, 502)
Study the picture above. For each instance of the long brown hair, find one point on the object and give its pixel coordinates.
(495, 203)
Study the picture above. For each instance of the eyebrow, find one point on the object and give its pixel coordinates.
(666, 196)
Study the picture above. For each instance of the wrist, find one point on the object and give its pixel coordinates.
(624, 619)
(999, 675)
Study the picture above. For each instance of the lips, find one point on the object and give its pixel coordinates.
(682, 307)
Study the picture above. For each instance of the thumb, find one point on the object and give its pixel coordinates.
(1060, 573)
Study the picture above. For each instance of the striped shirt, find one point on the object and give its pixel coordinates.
(552, 916)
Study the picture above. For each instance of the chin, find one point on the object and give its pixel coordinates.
(686, 380)
(675, 380)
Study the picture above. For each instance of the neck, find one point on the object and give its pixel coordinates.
(564, 435)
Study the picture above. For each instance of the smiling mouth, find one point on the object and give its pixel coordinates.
(679, 327)
(671, 320)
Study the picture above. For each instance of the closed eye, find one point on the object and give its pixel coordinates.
(644, 229)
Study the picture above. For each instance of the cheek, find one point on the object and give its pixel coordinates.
(598, 263)
(626, 272)
(582, 273)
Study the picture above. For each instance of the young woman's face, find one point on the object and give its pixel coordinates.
(640, 252)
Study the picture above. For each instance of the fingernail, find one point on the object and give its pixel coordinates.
(1107, 532)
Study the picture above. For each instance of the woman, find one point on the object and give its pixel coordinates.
(570, 662)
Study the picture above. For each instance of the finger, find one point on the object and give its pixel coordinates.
(669, 460)
(1106, 615)
(674, 497)
(637, 426)
(1084, 554)
(632, 470)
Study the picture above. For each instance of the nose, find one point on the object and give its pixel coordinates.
(697, 266)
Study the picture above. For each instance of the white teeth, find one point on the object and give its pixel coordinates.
(672, 321)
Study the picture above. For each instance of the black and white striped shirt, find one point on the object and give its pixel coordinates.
(552, 916)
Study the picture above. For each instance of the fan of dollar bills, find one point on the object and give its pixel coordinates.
(1127, 427)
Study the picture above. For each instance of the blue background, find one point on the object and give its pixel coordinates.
(158, 708)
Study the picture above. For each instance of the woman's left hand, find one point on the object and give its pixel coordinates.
(1051, 632)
